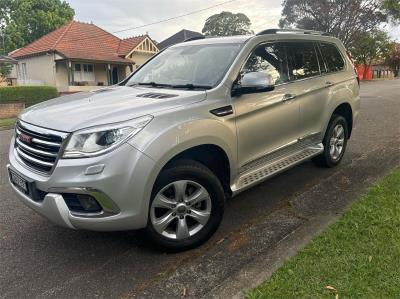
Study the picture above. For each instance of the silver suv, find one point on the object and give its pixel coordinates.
(199, 123)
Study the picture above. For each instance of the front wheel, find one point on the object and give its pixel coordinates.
(335, 142)
(186, 207)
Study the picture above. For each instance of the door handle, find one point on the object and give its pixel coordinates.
(288, 97)
(328, 84)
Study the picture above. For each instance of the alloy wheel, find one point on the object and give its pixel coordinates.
(336, 144)
(180, 209)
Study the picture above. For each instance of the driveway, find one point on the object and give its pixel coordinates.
(261, 227)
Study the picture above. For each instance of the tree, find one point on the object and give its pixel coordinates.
(393, 58)
(392, 8)
(372, 46)
(24, 21)
(5, 71)
(227, 24)
(346, 19)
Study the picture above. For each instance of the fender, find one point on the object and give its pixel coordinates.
(179, 137)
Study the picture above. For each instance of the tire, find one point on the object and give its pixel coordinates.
(332, 157)
(168, 205)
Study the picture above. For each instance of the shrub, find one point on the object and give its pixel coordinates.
(30, 95)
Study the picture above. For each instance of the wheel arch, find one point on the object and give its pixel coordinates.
(346, 111)
(213, 156)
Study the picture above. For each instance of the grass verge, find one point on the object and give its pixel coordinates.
(356, 257)
(7, 123)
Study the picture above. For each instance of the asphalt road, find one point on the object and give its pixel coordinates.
(40, 260)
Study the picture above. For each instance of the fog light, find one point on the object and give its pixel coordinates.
(88, 203)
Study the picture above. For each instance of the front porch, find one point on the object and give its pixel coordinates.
(76, 76)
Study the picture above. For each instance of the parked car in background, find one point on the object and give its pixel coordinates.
(198, 123)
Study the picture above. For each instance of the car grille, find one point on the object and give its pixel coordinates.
(38, 148)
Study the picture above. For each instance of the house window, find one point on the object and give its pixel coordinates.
(24, 74)
(19, 75)
(84, 72)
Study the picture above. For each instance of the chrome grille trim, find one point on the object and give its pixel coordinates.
(43, 142)
(21, 153)
(39, 149)
(36, 151)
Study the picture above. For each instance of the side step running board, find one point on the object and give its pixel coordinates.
(265, 171)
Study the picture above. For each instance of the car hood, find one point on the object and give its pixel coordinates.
(81, 110)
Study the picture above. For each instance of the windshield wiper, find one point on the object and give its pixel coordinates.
(154, 84)
(192, 86)
(183, 86)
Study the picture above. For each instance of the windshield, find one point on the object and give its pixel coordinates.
(197, 66)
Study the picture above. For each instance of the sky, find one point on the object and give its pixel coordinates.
(116, 15)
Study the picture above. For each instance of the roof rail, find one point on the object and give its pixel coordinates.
(194, 38)
(296, 31)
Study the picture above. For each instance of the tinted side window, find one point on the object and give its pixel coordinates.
(303, 62)
(271, 59)
(333, 60)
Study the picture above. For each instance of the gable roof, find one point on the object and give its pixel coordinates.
(128, 44)
(77, 40)
(177, 38)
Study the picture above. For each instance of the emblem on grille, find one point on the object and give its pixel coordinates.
(25, 138)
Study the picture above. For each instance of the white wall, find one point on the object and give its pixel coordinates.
(39, 70)
(140, 58)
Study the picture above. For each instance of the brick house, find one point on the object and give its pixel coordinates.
(79, 57)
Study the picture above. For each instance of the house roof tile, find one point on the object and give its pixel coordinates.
(77, 40)
(128, 44)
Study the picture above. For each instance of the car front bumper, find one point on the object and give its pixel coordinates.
(122, 188)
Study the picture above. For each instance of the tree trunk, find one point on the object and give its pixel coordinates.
(365, 71)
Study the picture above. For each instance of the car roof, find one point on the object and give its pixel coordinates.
(238, 39)
(241, 39)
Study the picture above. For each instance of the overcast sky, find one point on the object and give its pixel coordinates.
(115, 15)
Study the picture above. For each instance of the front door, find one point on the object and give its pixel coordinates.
(266, 121)
(114, 75)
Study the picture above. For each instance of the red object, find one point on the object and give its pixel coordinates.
(25, 138)
(361, 72)
(77, 40)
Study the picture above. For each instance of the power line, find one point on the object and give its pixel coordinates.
(176, 17)
(157, 22)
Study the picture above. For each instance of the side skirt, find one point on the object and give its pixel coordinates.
(271, 166)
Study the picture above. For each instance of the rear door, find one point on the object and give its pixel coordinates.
(308, 85)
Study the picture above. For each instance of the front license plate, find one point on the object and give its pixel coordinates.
(18, 181)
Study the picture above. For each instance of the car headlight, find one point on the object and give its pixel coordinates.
(102, 139)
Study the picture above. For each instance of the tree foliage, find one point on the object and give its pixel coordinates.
(346, 19)
(5, 71)
(371, 47)
(24, 21)
(393, 58)
(392, 8)
(227, 24)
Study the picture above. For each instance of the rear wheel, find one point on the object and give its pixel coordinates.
(335, 142)
(186, 206)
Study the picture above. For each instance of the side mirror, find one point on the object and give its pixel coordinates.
(254, 82)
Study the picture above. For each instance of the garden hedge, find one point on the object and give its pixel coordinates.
(30, 95)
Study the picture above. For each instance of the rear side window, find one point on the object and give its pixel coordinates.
(303, 61)
(333, 59)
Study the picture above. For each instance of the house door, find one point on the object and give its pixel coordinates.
(114, 75)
